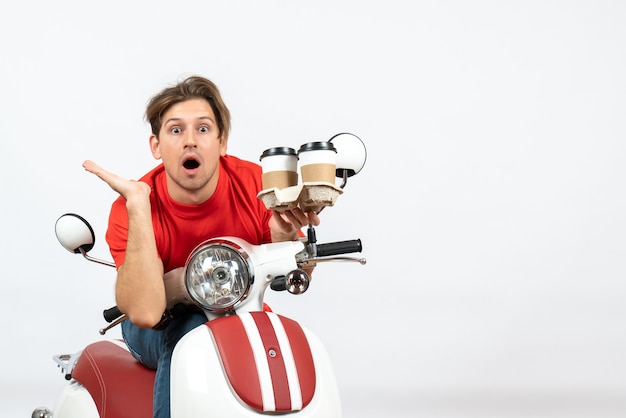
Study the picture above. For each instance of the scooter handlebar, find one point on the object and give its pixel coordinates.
(339, 247)
(111, 314)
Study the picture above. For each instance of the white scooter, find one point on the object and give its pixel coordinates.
(245, 361)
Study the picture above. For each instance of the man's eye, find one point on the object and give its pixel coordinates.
(204, 129)
(176, 130)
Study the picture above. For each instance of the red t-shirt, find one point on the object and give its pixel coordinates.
(233, 210)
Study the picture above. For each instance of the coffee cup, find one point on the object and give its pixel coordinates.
(280, 167)
(317, 162)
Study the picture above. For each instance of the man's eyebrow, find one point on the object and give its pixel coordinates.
(179, 119)
(165, 122)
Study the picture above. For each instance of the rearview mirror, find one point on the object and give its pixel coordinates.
(351, 155)
(74, 233)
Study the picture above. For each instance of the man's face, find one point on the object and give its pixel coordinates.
(190, 147)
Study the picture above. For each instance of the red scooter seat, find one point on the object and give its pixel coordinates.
(120, 386)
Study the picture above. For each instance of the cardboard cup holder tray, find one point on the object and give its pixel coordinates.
(311, 196)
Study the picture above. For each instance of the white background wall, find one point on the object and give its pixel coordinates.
(491, 207)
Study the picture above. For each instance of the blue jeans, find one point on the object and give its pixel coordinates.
(154, 350)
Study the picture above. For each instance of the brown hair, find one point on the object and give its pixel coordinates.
(190, 88)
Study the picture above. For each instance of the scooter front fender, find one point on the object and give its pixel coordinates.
(204, 379)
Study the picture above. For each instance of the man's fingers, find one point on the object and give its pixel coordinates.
(282, 223)
(313, 218)
(91, 167)
(113, 180)
(95, 169)
(107, 176)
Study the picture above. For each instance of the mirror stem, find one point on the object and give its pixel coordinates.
(345, 179)
(95, 260)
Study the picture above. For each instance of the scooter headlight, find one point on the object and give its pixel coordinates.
(218, 275)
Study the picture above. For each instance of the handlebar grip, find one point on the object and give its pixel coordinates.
(279, 284)
(340, 247)
(112, 314)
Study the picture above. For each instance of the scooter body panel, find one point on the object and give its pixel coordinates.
(200, 382)
(75, 401)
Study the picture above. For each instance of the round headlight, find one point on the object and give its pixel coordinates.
(218, 275)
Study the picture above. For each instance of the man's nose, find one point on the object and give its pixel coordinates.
(190, 139)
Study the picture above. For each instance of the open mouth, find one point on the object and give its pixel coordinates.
(191, 164)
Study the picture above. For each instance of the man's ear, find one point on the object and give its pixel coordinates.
(223, 146)
(154, 147)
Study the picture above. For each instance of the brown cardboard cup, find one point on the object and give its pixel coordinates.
(317, 162)
(280, 167)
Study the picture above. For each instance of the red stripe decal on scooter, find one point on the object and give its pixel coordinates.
(275, 361)
(238, 359)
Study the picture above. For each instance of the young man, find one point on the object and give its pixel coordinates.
(198, 192)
